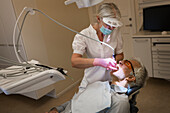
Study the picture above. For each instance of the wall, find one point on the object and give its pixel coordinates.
(7, 22)
(55, 40)
(32, 32)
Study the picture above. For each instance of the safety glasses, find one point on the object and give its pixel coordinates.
(129, 65)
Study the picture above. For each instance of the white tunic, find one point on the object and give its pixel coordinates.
(94, 49)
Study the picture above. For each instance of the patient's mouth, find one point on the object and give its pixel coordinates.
(117, 66)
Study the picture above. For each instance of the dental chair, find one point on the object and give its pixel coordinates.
(132, 94)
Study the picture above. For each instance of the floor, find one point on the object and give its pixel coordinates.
(154, 98)
(22, 104)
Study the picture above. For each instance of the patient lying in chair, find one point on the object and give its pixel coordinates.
(102, 97)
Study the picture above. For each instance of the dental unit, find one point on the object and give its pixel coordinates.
(29, 76)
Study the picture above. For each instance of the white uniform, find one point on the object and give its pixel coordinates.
(94, 49)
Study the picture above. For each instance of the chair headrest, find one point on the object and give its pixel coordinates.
(132, 90)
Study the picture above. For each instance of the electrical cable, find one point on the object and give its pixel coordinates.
(10, 61)
(19, 36)
(17, 74)
(27, 65)
(15, 50)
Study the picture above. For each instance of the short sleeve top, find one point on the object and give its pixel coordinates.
(94, 49)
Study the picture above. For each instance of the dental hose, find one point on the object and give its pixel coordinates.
(76, 31)
(30, 10)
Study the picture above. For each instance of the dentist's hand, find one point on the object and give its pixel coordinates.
(108, 63)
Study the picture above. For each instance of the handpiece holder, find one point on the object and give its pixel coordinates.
(31, 11)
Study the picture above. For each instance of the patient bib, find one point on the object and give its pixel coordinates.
(94, 98)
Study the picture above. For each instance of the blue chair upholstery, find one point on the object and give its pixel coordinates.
(132, 93)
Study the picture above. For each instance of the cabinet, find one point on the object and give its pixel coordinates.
(161, 57)
(154, 52)
(142, 50)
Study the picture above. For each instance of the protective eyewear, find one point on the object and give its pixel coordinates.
(129, 65)
(113, 22)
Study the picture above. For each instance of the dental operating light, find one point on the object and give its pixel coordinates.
(83, 3)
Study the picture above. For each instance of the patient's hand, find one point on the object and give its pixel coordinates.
(53, 110)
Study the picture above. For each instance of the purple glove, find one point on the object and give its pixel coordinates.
(108, 63)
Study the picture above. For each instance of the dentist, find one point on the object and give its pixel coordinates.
(99, 61)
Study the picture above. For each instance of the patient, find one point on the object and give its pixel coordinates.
(102, 97)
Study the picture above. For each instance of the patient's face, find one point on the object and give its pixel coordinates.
(124, 69)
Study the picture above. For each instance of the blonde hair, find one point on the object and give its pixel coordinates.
(108, 10)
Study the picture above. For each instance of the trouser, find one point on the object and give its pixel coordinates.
(64, 108)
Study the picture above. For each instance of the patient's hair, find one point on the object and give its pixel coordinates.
(141, 74)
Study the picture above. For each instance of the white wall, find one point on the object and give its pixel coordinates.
(7, 21)
(32, 35)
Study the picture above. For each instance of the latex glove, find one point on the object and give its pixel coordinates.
(108, 63)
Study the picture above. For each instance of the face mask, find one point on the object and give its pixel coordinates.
(105, 31)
